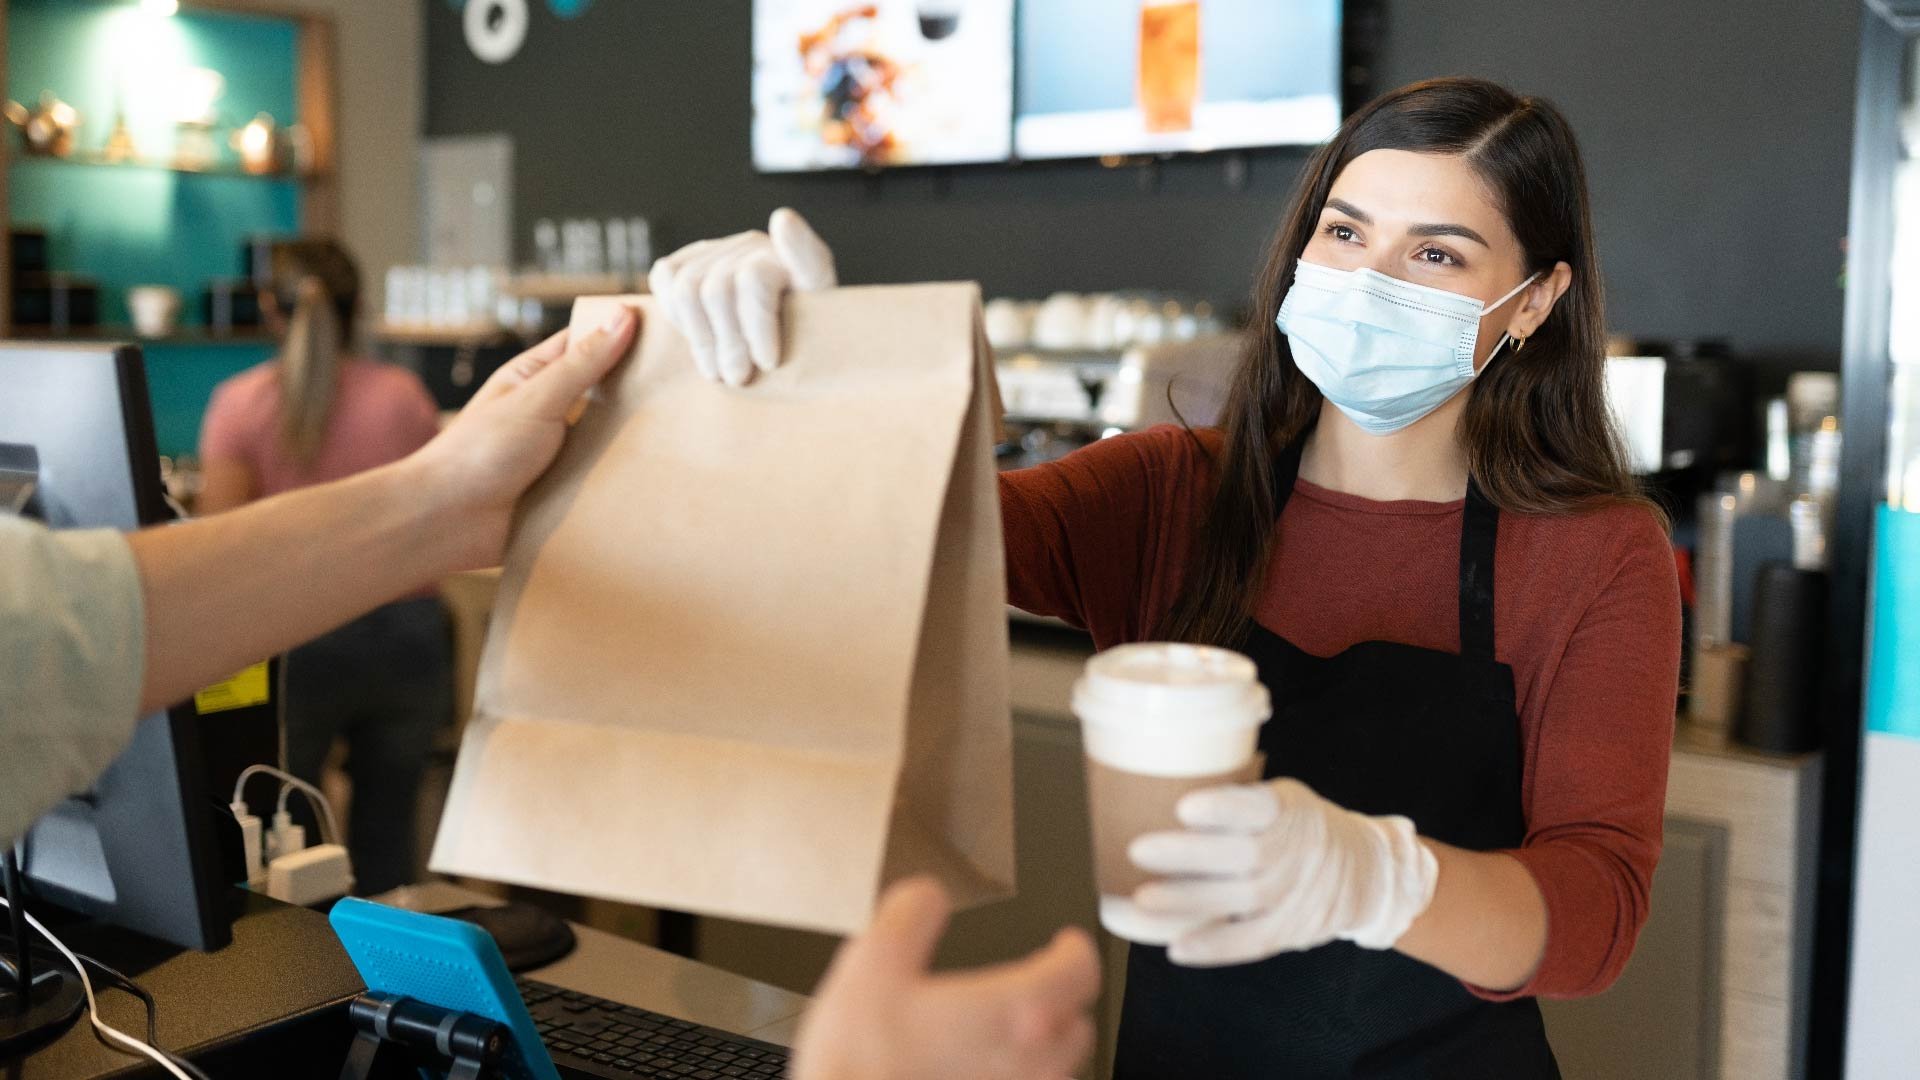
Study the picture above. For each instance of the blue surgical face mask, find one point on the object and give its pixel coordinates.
(1386, 352)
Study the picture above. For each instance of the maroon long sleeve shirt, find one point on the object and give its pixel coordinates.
(1587, 614)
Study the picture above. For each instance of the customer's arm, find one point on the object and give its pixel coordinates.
(97, 629)
(69, 663)
(225, 591)
(224, 484)
(881, 1015)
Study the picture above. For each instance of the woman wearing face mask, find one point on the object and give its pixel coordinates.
(1417, 519)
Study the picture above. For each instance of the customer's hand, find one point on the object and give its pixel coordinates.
(475, 470)
(1277, 868)
(724, 295)
(879, 1014)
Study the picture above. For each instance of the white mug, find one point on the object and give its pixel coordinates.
(155, 310)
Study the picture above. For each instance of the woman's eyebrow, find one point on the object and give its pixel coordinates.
(1364, 218)
(1449, 230)
(1350, 210)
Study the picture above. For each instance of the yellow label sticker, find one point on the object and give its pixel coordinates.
(247, 688)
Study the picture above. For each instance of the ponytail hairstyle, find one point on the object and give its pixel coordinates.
(1536, 429)
(318, 282)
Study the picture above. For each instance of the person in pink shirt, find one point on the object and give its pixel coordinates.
(316, 413)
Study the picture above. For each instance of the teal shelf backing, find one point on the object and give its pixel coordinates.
(126, 226)
(180, 379)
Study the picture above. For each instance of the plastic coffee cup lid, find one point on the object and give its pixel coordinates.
(1152, 683)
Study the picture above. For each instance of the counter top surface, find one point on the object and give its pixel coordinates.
(612, 967)
(631, 973)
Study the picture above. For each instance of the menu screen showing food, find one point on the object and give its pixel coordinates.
(1100, 77)
(840, 85)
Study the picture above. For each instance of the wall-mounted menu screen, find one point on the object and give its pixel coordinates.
(1101, 77)
(839, 84)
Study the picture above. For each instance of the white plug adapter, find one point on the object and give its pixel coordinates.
(311, 875)
(251, 840)
(285, 837)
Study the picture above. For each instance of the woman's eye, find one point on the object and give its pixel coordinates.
(1342, 233)
(1436, 257)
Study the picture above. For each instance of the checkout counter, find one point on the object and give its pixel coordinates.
(273, 1003)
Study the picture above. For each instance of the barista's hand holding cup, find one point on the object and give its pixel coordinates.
(1159, 721)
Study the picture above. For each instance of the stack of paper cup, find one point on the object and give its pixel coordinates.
(1157, 721)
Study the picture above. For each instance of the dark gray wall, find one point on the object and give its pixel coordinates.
(1716, 135)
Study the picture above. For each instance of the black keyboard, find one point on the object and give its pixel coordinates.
(590, 1036)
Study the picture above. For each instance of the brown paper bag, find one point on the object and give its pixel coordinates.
(750, 651)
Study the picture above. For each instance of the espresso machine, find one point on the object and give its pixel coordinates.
(1075, 369)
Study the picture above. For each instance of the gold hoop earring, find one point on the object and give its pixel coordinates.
(1519, 343)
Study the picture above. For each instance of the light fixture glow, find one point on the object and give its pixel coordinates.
(255, 142)
(162, 8)
(194, 91)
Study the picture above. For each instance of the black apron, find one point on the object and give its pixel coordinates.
(1381, 728)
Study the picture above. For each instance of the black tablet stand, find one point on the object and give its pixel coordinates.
(40, 994)
(466, 1046)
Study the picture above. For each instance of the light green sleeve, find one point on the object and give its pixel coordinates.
(72, 646)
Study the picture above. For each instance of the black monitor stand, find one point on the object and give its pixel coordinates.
(40, 993)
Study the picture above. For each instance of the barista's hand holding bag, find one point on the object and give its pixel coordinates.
(725, 294)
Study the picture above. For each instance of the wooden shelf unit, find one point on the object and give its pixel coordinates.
(184, 335)
(93, 159)
(555, 290)
(316, 105)
(478, 335)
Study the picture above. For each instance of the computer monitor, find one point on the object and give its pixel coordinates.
(143, 848)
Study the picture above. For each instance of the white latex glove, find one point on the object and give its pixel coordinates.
(881, 1015)
(1277, 868)
(724, 295)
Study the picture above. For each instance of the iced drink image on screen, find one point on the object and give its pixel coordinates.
(1169, 64)
(1159, 720)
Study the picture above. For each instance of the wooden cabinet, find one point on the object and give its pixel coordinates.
(1668, 998)
(1718, 987)
(1770, 807)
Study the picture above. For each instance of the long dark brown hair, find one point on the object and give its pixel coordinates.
(1538, 436)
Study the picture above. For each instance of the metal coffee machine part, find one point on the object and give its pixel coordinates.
(1682, 406)
(1074, 369)
(1057, 402)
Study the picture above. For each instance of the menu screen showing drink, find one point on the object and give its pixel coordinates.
(1101, 77)
(840, 85)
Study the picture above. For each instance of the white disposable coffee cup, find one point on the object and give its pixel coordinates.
(1168, 711)
(155, 310)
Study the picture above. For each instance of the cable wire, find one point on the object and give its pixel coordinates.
(1904, 23)
(314, 795)
(106, 1030)
(122, 982)
(126, 983)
